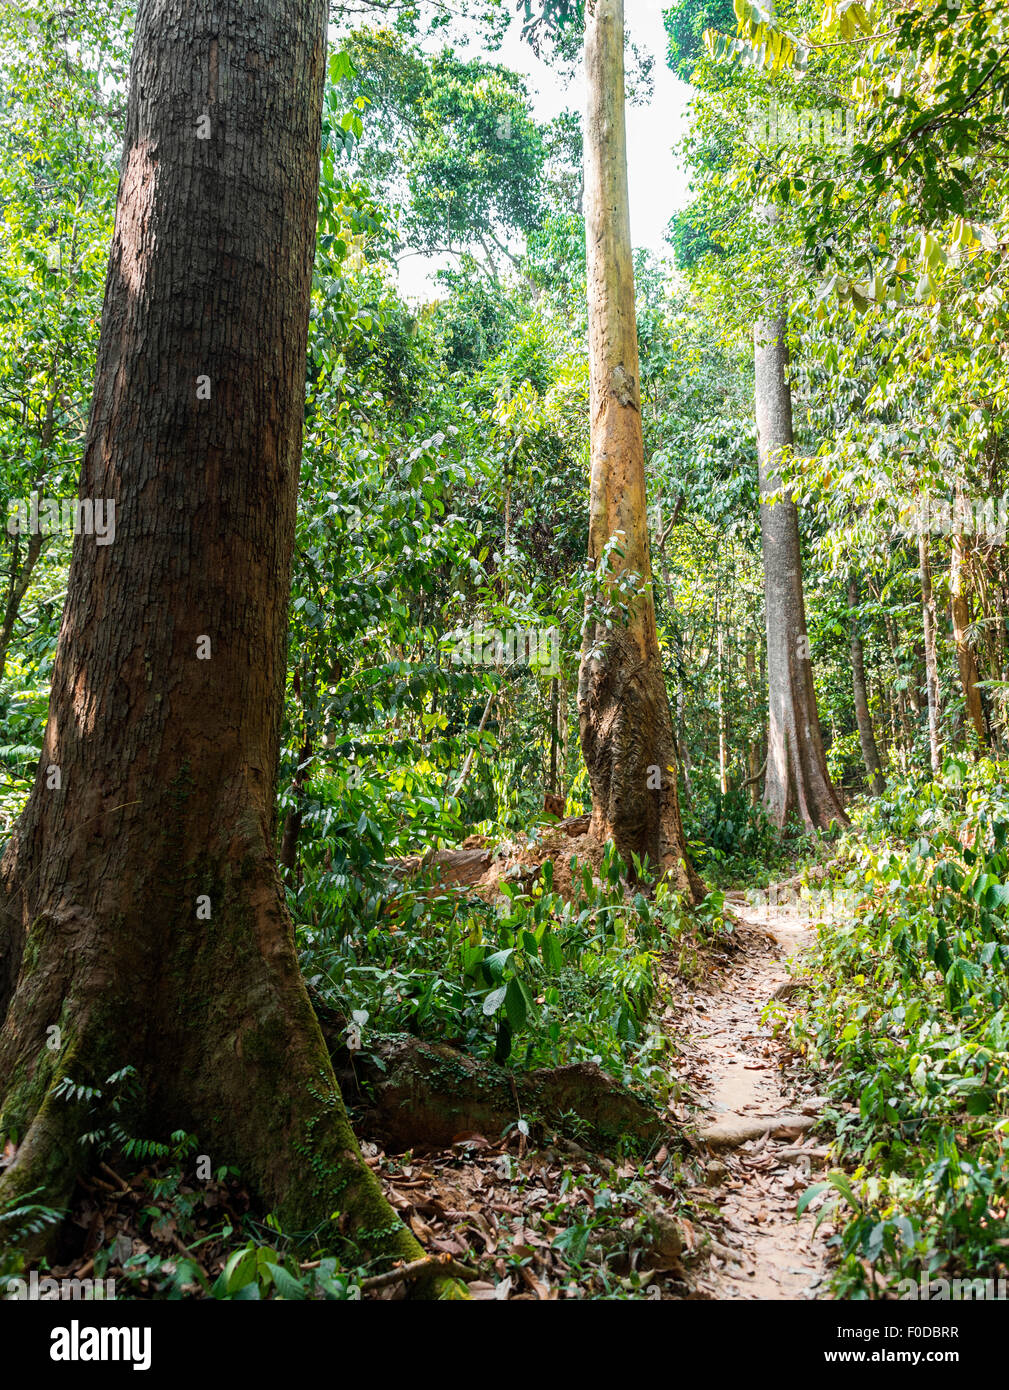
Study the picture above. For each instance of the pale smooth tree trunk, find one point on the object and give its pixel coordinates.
(796, 778)
(623, 707)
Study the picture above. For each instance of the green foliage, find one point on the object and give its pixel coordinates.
(20, 1218)
(59, 148)
(262, 1272)
(732, 841)
(538, 979)
(451, 141)
(443, 490)
(686, 22)
(908, 1021)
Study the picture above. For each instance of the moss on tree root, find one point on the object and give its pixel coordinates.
(324, 1189)
(428, 1093)
(46, 1167)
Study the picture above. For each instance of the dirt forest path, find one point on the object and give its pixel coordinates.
(756, 1110)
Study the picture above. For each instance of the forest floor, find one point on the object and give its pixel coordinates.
(757, 1106)
(747, 1104)
(709, 1215)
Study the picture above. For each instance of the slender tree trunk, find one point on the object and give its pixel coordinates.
(906, 725)
(552, 785)
(143, 914)
(562, 734)
(870, 753)
(475, 745)
(723, 771)
(18, 579)
(960, 614)
(682, 745)
(293, 820)
(626, 730)
(888, 729)
(796, 777)
(931, 671)
(680, 750)
(20, 571)
(918, 683)
(753, 759)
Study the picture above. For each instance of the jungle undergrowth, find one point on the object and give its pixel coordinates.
(906, 1023)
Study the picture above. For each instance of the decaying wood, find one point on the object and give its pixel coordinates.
(460, 868)
(417, 1093)
(449, 866)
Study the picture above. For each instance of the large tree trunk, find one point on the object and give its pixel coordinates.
(796, 777)
(931, 668)
(143, 913)
(965, 658)
(870, 753)
(626, 730)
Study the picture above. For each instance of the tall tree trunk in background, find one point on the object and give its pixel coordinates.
(142, 912)
(723, 755)
(918, 683)
(288, 857)
(680, 750)
(888, 727)
(753, 761)
(683, 748)
(907, 728)
(931, 670)
(626, 731)
(960, 613)
(796, 777)
(19, 576)
(21, 568)
(552, 783)
(562, 734)
(870, 753)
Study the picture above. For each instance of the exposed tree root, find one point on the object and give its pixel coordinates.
(45, 1169)
(420, 1093)
(246, 1071)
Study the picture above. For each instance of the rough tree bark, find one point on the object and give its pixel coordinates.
(142, 913)
(965, 658)
(626, 729)
(870, 753)
(796, 777)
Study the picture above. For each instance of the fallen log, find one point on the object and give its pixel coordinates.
(450, 866)
(429, 1093)
(411, 1092)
